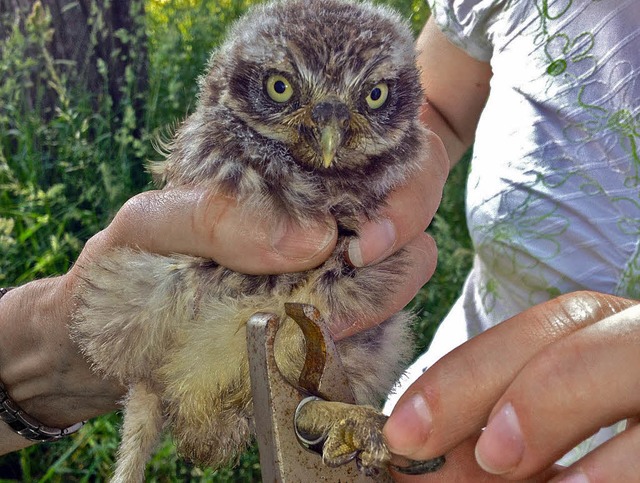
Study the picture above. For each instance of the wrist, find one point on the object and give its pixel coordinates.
(26, 429)
(29, 316)
(26, 425)
(40, 366)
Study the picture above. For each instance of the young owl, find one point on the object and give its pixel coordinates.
(310, 107)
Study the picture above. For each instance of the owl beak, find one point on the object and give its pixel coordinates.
(330, 140)
(331, 118)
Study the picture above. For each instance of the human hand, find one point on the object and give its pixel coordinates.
(192, 222)
(39, 363)
(41, 366)
(545, 380)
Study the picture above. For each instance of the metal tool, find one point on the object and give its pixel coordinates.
(282, 457)
(285, 455)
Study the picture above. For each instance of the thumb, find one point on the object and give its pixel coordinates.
(194, 222)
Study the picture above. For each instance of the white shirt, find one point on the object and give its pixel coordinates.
(553, 195)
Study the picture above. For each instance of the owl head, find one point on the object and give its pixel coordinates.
(320, 91)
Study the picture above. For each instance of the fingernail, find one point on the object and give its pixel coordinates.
(373, 244)
(501, 447)
(409, 426)
(295, 242)
(574, 477)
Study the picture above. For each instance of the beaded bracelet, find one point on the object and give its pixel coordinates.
(27, 426)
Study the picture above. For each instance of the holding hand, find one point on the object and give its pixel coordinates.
(40, 365)
(544, 380)
(50, 380)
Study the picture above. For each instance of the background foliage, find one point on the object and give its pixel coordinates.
(66, 168)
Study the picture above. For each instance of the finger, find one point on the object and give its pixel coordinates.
(453, 399)
(193, 222)
(461, 466)
(615, 460)
(423, 254)
(409, 210)
(565, 393)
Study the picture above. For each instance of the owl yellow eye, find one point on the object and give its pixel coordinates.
(279, 88)
(378, 95)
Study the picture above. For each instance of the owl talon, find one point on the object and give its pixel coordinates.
(335, 460)
(371, 471)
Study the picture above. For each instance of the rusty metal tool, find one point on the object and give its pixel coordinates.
(285, 455)
(282, 457)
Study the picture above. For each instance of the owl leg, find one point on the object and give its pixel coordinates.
(350, 432)
(143, 421)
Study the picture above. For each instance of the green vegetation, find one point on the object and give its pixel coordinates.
(69, 158)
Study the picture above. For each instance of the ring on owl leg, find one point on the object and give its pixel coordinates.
(420, 467)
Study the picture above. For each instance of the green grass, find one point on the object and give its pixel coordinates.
(66, 168)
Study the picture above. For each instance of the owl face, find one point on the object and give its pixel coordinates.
(334, 82)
